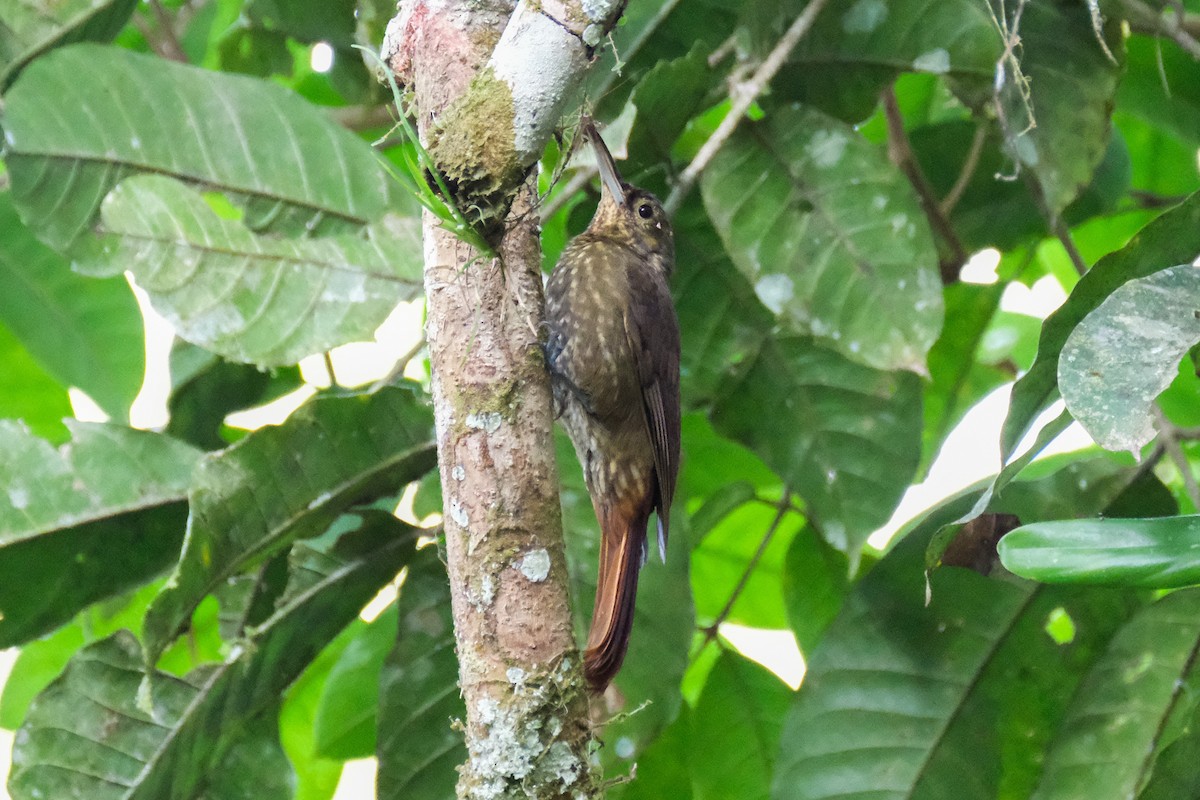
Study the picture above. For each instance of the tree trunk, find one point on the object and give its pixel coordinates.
(527, 727)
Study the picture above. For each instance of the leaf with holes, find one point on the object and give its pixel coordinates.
(899, 695)
(90, 520)
(289, 482)
(251, 298)
(1135, 702)
(291, 167)
(1126, 352)
(831, 236)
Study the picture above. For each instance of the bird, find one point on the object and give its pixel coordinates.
(613, 350)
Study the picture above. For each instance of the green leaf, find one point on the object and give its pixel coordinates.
(1161, 85)
(845, 437)
(830, 234)
(345, 722)
(900, 695)
(816, 579)
(663, 620)
(663, 769)
(29, 28)
(291, 167)
(735, 730)
(258, 299)
(1152, 553)
(721, 322)
(666, 98)
(118, 750)
(1174, 238)
(720, 561)
(1121, 714)
(957, 380)
(206, 388)
(307, 20)
(93, 519)
(719, 505)
(419, 748)
(254, 767)
(284, 483)
(856, 48)
(85, 333)
(28, 394)
(1058, 123)
(42, 660)
(1125, 353)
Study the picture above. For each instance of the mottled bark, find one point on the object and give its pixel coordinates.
(527, 728)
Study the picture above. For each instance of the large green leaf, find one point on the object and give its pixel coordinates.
(1058, 122)
(345, 722)
(735, 730)
(290, 165)
(85, 333)
(1174, 238)
(28, 394)
(259, 299)
(1121, 356)
(816, 579)
(419, 747)
(830, 234)
(284, 483)
(1161, 85)
(205, 388)
(845, 437)
(118, 750)
(662, 624)
(1128, 709)
(721, 322)
(856, 48)
(1156, 553)
(100, 515)
(29, 28)
(900, 695)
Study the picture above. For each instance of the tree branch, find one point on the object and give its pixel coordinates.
(970, 164)
(901, 153)
(1184, 31)
(527, 728)
(782, 508)
(742, 98)
(1169, 436)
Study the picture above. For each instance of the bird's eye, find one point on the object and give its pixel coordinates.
(645, 211)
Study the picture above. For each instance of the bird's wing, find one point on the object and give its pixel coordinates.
(653, 333)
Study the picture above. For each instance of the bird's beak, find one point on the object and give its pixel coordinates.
(610, 179)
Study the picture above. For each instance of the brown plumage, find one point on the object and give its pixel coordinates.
(613, 353)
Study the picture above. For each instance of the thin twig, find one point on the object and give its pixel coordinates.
(782, 508)
(401, 364)
(554, 204)
(361, 118)
(1184, 32)
(171, 48)
(333, 381)
(742, 99)
(901, 152)
(1168, 434)
(723, 50)
(970, 164)
(1054, 221)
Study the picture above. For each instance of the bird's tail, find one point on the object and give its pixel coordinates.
(622, 553)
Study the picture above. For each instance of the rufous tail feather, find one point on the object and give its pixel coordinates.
(622, 546)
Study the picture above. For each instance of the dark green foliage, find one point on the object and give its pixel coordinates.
(830, 348)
